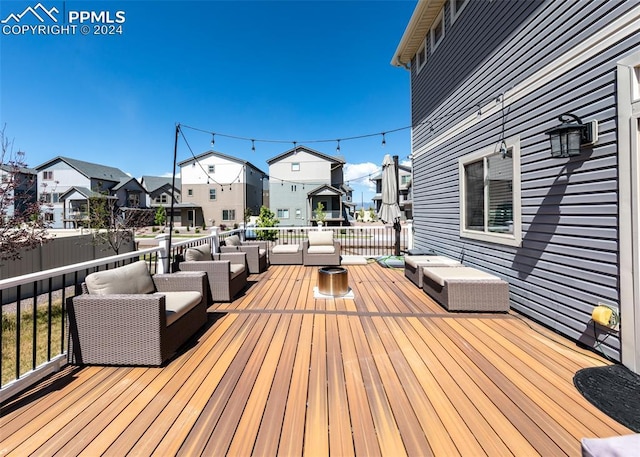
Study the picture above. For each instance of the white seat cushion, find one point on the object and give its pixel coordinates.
(440, 275)
(180, 303)
(430, 260)
(236, 269)
(285, 249)
(321, 249)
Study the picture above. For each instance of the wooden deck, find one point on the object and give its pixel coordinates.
(277, 372)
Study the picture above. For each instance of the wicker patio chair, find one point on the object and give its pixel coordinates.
(256, 252)
(226, 272)
(127, 317)
(320, 248)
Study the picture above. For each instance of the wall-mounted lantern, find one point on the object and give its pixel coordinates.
(567, 137)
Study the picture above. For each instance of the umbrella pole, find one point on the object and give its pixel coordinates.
(396, 224)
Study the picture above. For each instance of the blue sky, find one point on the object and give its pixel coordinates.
(284, 71)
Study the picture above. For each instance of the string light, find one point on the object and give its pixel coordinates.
(477, 107)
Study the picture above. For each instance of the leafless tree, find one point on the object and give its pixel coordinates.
(115, 226)
(22, 224)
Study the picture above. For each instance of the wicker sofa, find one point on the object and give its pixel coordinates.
(466, 289)
(256, 252)
(125, 316)
(226, 272)
(321, 249)
(413, 265)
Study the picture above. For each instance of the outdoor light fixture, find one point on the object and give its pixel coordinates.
(567, 137)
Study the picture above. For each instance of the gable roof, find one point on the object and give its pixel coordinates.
(153, 183)
(124, 181)
(89, 169)
(425, 13)
(325, 189)
(222, 156)
(297, 149)
(87, 193)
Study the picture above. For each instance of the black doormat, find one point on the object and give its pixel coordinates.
(614, 390)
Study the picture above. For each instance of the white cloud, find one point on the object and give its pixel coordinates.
(361, 174)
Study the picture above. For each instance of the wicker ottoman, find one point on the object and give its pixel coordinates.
(285, 254)
(466, 289)
(413, 265)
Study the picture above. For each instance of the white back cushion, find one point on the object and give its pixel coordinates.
(129, 279)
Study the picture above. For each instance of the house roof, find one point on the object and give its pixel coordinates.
(8, 168)
(297, 149)
(325, 189)
(87, 193)
(221, 155)
(153, 183)
(424, 14)
(90, 170)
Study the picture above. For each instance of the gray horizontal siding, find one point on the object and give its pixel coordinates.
(568, 260)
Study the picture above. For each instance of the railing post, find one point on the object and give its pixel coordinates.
(215, 239)
(164, 265)
(409, 234)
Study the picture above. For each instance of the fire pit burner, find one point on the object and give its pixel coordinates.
(333, 281)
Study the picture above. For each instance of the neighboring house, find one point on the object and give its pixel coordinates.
(217, 189)
(160, 191)
(299, 179)
(488, 79)
(404, 192)
(67, 185)
(22, 192)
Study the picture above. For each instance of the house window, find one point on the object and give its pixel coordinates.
(161, 198)
(295, 166)
(437, 31)
(212, 169)
(293, 188)
(283, 213)
(47, 175)
(456, 8)
(489, 184)
(212, 194)
(421, 56)
(48, 217)
(134, 200)
(405, 179)
(228, 214)
(298, 213)
(190, 192)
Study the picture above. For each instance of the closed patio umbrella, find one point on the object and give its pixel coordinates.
(390, 209)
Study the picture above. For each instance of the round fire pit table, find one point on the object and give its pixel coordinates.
(333, 281)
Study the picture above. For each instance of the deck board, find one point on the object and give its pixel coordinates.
(278, 372)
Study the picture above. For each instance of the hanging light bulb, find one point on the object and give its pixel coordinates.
(213, 139)
(384, 141)
(338, 147)
(253, 145)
